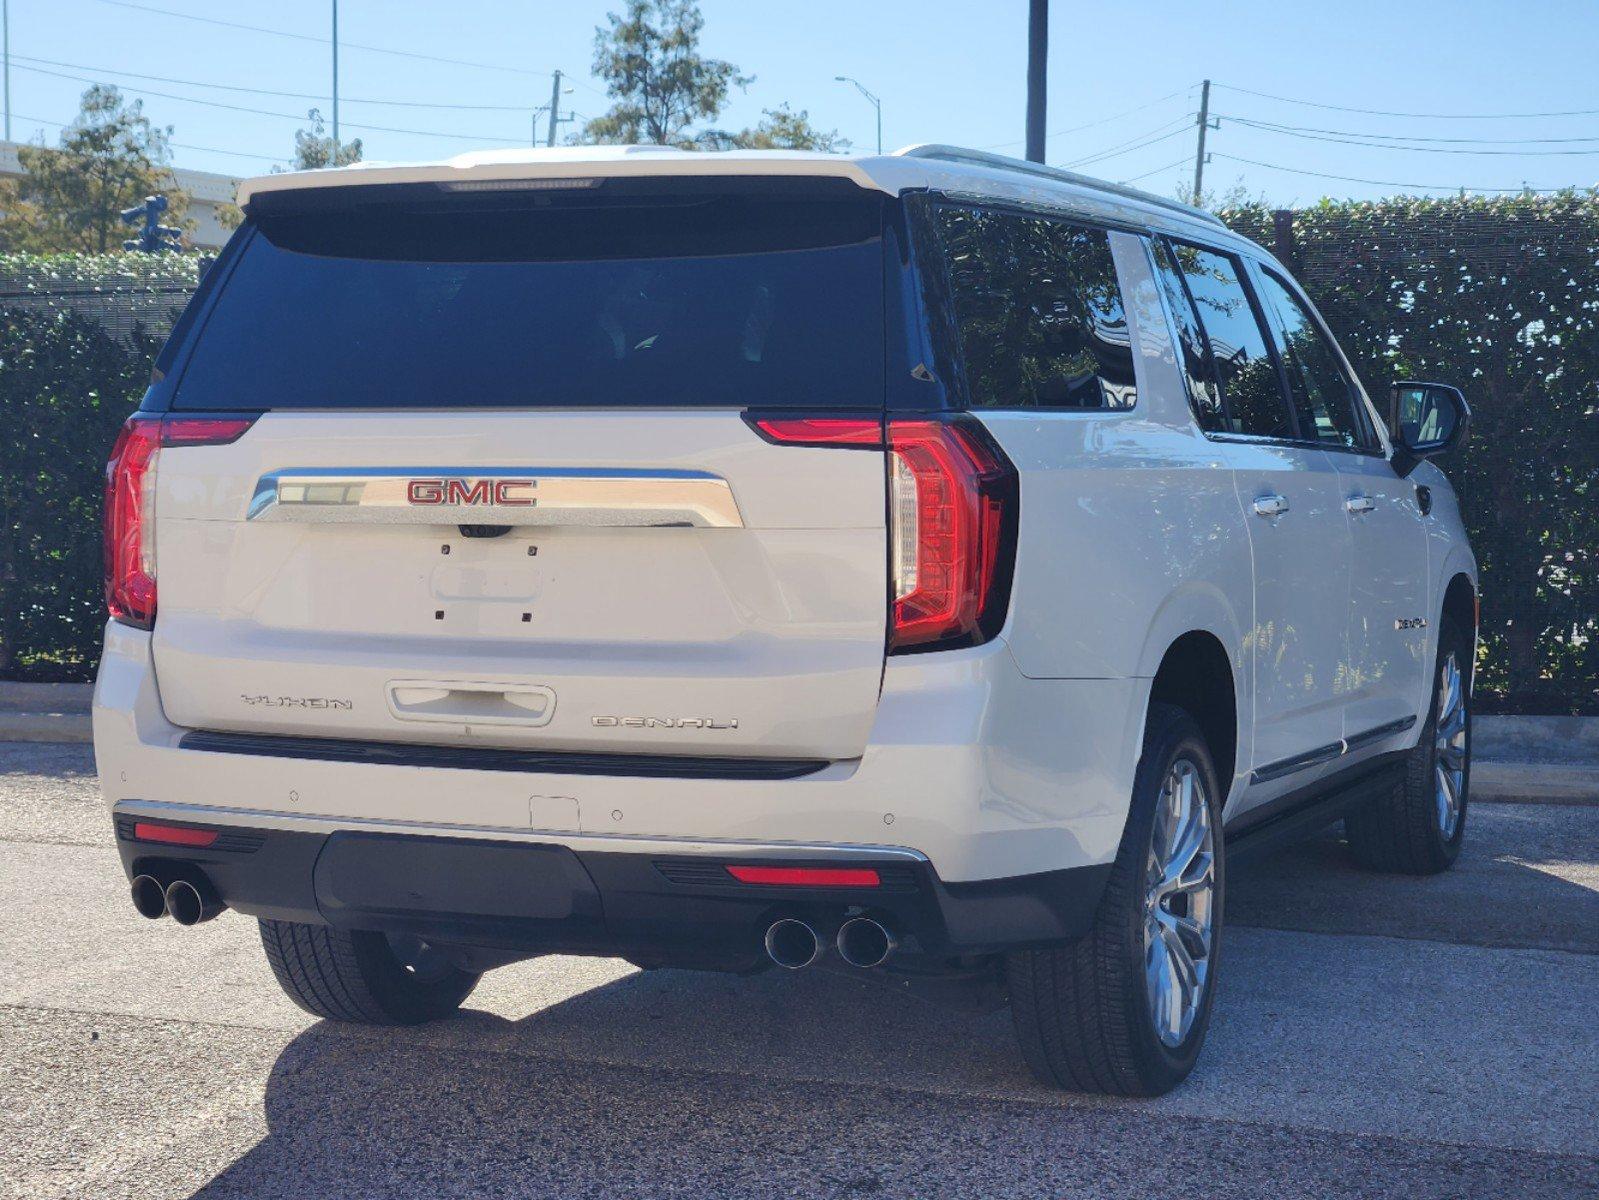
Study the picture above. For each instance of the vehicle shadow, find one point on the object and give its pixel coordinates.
(617, 1082)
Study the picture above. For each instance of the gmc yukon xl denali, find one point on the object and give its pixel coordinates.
(928, 565)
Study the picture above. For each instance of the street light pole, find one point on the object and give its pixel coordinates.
(334, 161)
(5, 25)
(876, 103)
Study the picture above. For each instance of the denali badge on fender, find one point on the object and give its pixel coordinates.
(665, 723)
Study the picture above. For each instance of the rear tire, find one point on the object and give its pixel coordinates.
(1418, 827)
(364, 977)
(1109, 1012)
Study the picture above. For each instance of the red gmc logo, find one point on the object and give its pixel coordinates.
(471, 491)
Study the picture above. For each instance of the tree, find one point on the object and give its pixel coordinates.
(70, 197)
(660, 83)
(781, 128)
(313, 148)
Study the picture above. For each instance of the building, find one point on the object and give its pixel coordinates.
(209, 192)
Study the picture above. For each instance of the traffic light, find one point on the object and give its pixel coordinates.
(153, 236)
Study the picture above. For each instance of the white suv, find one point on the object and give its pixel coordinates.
(932, 562)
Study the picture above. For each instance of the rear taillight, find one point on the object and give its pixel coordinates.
(130, 504)
(952, 511)
(952, 508)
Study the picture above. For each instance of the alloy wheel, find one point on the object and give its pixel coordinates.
(1179, 903)
(1449, 746)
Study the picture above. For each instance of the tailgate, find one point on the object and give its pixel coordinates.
(686, 587)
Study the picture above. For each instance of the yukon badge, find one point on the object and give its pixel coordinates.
(665, 722)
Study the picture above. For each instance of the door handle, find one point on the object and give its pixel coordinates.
(1360, 504)
(1271, 506)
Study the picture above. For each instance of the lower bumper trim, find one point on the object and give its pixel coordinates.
(654, 909)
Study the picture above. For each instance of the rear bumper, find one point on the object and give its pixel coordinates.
(523, 896)
(971, 767)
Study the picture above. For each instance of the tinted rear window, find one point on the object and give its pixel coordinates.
(699, 301)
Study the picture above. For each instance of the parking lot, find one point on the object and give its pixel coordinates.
(1373, 1036)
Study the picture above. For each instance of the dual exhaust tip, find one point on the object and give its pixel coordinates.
(861, 942)
(187, 901)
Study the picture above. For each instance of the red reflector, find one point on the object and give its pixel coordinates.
(807, 876)
(821, 431)
(173, 835)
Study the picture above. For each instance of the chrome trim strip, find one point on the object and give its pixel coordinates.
(586, 496)
(1377, 734)
(1325, 754)
(264, 819)
(1299, 762)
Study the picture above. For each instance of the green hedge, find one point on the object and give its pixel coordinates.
(1499, 296)
(68, 379)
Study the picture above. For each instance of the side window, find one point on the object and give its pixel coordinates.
(1251, 390)
(1039, 311)
(1192, 352)
(1323, 396)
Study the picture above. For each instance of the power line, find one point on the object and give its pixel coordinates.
(1435, 116)
(1102, 121)
(1405, 137)
(177, 145)
(1361, 141)
(1181, 162)
(233, 87)
(1136, 144)
(1435, 187)
(262, 112)
(306, 37)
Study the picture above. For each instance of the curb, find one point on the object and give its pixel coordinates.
(45, 727)
(1496, 781)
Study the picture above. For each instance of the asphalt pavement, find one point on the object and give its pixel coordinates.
(1374, 1036)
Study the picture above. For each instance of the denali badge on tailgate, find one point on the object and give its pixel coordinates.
(665, 722)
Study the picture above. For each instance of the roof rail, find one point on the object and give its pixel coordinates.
(1001, 162)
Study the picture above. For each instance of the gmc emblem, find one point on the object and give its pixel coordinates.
(469, 492)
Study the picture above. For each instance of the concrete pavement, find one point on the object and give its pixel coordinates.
(1374, 1036)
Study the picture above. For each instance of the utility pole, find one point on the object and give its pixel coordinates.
(1199, 155)
(555, 108)
(334, 160)
(5, 26)
(1037, 60)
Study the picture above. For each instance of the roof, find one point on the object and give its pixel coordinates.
(966, 173)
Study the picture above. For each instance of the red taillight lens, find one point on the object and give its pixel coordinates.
(130, 504)
(173, 835)
(807, 876)
(952, 521)
(952, 504)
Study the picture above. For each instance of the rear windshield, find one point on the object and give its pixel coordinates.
(684, 301)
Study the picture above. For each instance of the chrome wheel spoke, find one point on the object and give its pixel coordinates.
(1450, 750)
(1178, 909)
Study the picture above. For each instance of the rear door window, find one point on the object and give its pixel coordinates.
(719, 300)
(1251, 389)
(1039, 311)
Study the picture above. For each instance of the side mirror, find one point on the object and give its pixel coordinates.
(1424, 421)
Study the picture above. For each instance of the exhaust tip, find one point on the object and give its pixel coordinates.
(863, 942)
(191, 903)
(149, 897)
(792, 944)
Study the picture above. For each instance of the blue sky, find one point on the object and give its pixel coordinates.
(1123, 80)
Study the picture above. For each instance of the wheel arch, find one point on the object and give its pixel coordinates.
(1197, 675)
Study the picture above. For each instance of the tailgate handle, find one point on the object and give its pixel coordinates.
(455, 703)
